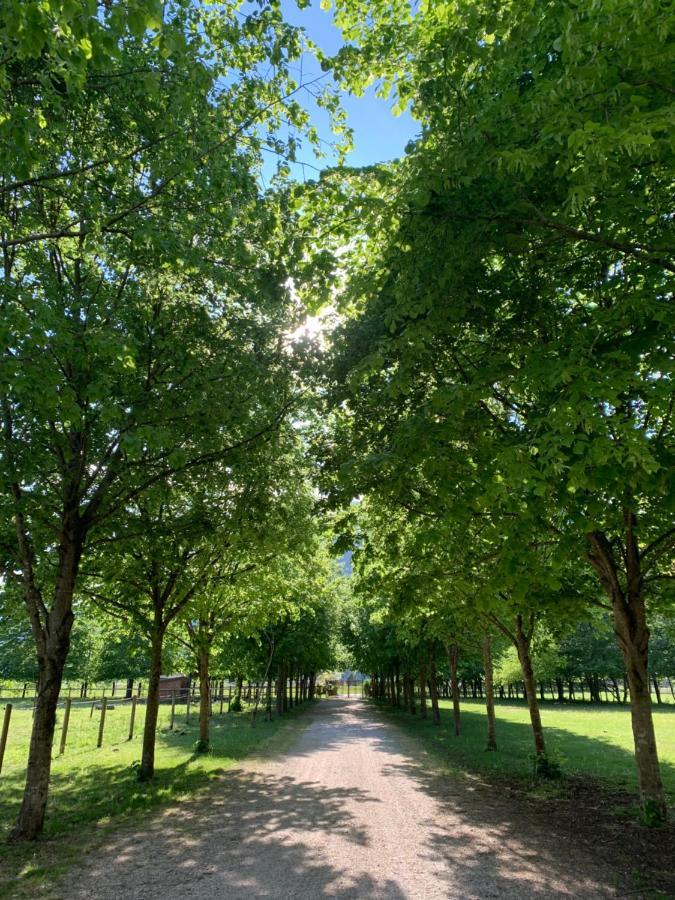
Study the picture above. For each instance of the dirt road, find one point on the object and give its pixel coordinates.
(350, 811)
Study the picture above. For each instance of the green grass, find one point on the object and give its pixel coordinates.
(588, 741)
(92, 789)
(83, 731)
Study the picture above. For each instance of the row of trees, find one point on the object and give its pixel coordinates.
(150, 463)
(584, 665)
(501, 392)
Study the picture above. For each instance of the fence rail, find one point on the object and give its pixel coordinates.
(564, 690)
(110, 718)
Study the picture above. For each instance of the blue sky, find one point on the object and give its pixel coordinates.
(378, 134)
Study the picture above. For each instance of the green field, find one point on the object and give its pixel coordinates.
(98, 787)
(590, 741)
(83, 731)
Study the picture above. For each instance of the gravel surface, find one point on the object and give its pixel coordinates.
(350, 811)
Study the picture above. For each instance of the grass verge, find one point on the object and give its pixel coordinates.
(595, 801)
(592, 742)
(94, 790)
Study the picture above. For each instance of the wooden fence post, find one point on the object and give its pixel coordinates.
(133, 717)
(173, 708)
(104, 703)
(91, 712)
(5, 731)
(64, 730)
(187, 707)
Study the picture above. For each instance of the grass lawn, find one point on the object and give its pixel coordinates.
(95, 788)
(591, 741)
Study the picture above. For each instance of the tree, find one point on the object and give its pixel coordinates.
(150, 576)
(171, 554)
(259, 543)
(518, 325)
(129, 232)
(300, 602)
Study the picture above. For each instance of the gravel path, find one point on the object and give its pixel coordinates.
(350, 811)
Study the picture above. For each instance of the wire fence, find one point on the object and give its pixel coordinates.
(113, 719)
(567, 690)
(113, 714)
(11, 691)
(560, 691)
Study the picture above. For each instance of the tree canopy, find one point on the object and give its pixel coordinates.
(487, 424)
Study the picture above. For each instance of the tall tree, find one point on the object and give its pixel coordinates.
(135, 250)
(518, 323)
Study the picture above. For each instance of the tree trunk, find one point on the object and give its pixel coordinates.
(591, 692)
(284, 688)
(453, 654)
(489, 692)
(34, 804)
(523, 647)
(204, 694)
(280, 688)
(657, 691)
(411, 694)
(423, 690)
(615, 689)
(312, 684)
(433, 688)
(268, 705)
(147, 769)
(630, 627)
(52, 642)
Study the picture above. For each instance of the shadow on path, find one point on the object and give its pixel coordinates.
(237, 843)
(351, 811)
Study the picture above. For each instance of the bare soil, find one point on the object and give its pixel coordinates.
(354, 810)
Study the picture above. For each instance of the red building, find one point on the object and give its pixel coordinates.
(173, 684)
